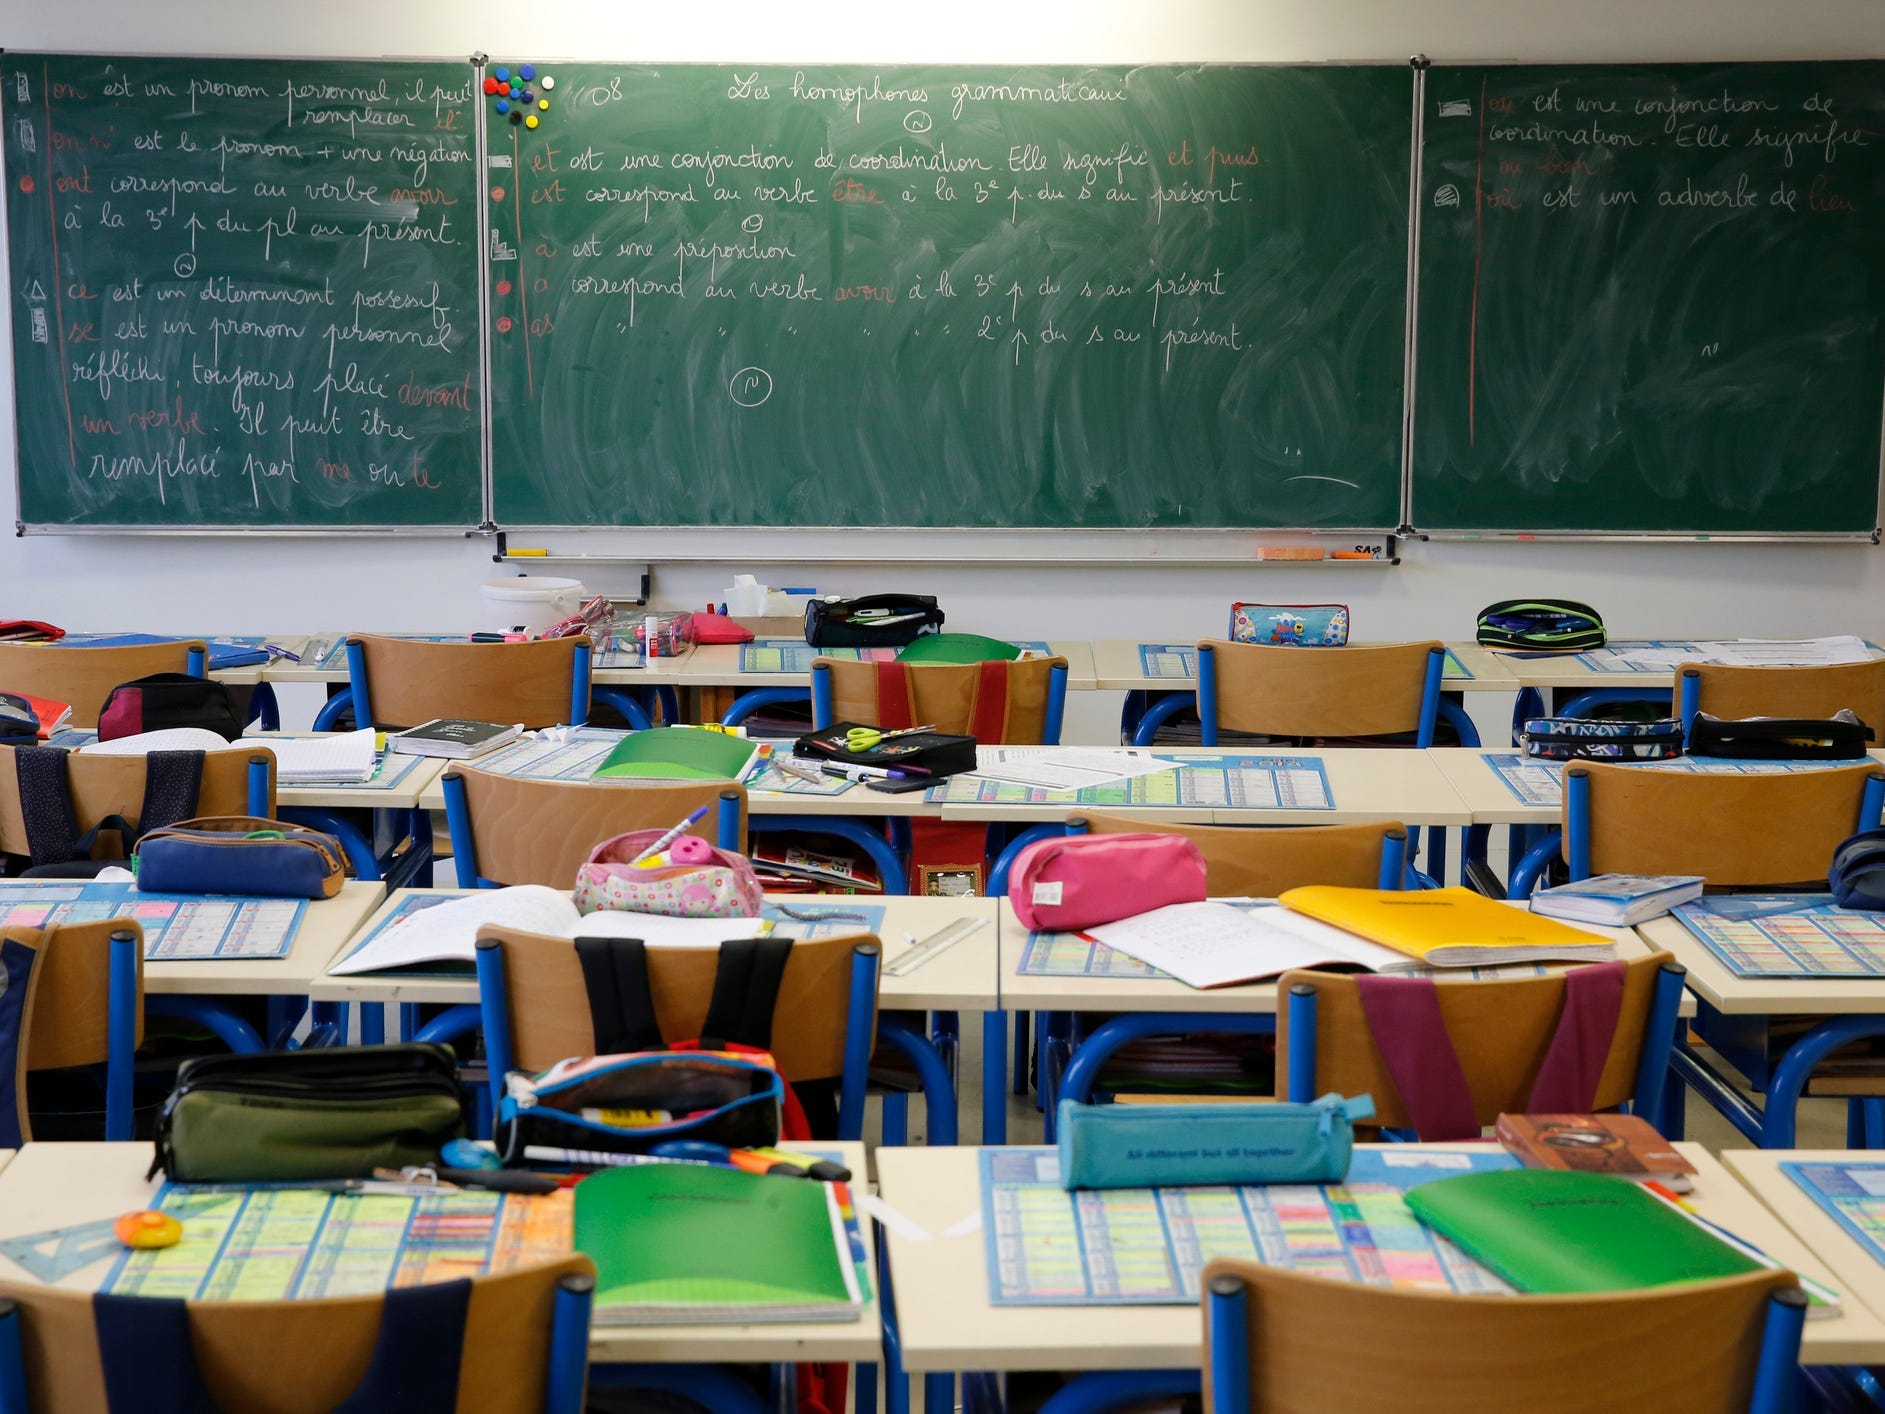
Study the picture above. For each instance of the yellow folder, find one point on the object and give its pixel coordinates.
(1449, 927)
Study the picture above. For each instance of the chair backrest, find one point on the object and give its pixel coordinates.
(1350, 691)
(1500, 1031)
(85, 676)
(946, 695)
(102, 786)
(523, 831)
(410, 681)
(1311, 1344)
(549, 1004)
(66, 1018)
(1732, 829)
(306, 1357)
(1244, 862)
(1723, 691)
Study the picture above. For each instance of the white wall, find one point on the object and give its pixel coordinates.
(251, 584)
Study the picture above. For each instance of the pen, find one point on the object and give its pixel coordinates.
(669, 838)
(863, 773)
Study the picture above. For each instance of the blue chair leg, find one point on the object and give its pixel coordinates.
(372, 1024)
(366, 864)
(1527, 871)
(623, 700)
(1779, 1362)
(336, 707)
(945, 1034)
(231, 1030)
(994, 1078)
(1092, 1053)
(264, 710)
(895, 1129)
(1874, 1109)
(452, 1025)
(1022, 1025)
(569, 1345)
(1796, 1067)
(409, 1022)
(1103, 1391)
(939, 1390)
(896, 1382)
(750, 702)
(939, 1095)
(1159, 713)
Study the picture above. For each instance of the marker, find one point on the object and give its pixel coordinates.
(864, 773)
(514, 554)
(669, 838)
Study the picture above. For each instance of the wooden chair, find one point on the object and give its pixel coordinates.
(523, 1338)
(1785, 692)
(1279, 1340)
(85, 676)
(1315, 692)
(1774, 830)
(401, 682)
(240, 781)
(510, 830)
(1500, 1030)
(535, 1008)
(952, 696)
(1252, 862)
(83, 1004)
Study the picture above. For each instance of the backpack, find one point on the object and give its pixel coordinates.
(165, 700)
(172, 782)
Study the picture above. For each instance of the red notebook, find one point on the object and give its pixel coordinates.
(52, 715)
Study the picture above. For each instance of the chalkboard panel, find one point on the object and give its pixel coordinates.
(1651, 298)
(244, 292)
(952, 297)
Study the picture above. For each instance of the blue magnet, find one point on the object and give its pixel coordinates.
(528, 71)
(529, 97)
(503, 75)
(503, 105)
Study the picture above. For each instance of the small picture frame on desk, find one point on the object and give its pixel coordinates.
(949, 880)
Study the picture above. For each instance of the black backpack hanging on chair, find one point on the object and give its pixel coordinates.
(56, 850)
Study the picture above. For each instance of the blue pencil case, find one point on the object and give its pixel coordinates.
(1177, 1146)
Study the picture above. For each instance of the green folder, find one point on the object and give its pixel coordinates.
(678, 754)
(676, 1242)
(958, 648)
(1561, 1233)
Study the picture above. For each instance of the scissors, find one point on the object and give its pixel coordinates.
(867, 738)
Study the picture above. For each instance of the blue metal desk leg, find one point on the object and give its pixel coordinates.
(994, 1077)
(1022, 1020)
(1796, 1067)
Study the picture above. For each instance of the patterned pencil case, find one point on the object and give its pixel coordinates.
(1290, 625)
(1581, 739)
(1163, 1146)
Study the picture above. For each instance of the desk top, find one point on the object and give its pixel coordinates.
(1119, 664)
(962, 978)
(718, 665)
(947, 1322)
(61, 1185)
(1584, 671)
(1711, 979)
(1167, 994)
(325, 925)
(1365, 785)
(324, 665)
(1856, 1273)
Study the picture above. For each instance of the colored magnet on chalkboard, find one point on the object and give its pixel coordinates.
(528, 71)
(529, 97)
(517, 117)
(504, 324)
(504, 75)
(544, 104)
(517, 90)
(497, 193)
(490, 85)
(549, 82)
(503, 105)
(531, 121)
(503, 287)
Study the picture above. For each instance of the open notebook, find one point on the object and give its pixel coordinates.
(448, 932)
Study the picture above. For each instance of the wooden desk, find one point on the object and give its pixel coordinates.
(1117, 664)
(325, 926)
(947, 1322)
(310, 669)
(60, 1185)
(1365, 785)
(718, 665)
(1734, 1019)
(964, 978)
(1857, 1275)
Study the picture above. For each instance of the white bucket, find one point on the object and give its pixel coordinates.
(529, 603)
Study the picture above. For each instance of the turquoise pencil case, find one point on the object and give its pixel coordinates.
(1179, 1146)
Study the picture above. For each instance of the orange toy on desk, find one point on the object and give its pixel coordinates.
(148, 1228)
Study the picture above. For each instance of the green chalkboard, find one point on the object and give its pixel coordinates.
(1652, 298)
(952, 297)
(244, 292)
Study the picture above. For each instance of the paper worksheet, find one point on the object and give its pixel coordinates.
(1063, 767)
(168, 739)
(1213, 944)
(345, 758)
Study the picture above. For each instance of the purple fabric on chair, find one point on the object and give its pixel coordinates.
(1574, 1061)
(1404, 1020)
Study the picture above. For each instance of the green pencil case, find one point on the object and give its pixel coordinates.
(1177, 1146)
